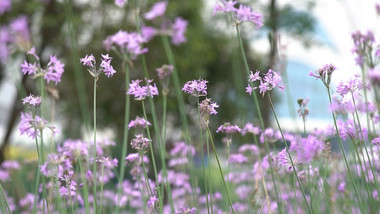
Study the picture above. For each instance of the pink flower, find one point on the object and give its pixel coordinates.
(54, 70)
(5, 5)
(32, 100)
(226, 7)
(120, 3)
(141, 92)
(271, 80)
(227, 128)
(179, 30)
(139, 123)
(244, 14)
(28, 68)
(196, 88)
(157, 10)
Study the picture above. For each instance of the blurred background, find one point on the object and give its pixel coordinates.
(297, 37)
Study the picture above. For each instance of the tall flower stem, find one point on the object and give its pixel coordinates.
(4, 200)
(206, 179)
(94, 151)
(290, 157)
(209, 172)
(101, 189)
(163, 148)
(181, 106)
(124, 150)
(85, 186)
(344, 154)
(220, 169)
(37, 179)
(160, 196)
(155, 120)
(365, 147)
(256, 101)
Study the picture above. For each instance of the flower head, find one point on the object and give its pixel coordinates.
(140, 143)
(141, 92)
(196, 88)
(31, 100)
(206, 108)
(270, 81)
(324, 73)
(157, 10)
(120, 3)
(5, 5)
(105, 65)
(139, 123)
(54, 70)
(227, 128)
(179, 29)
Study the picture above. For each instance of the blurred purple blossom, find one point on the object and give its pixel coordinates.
(141, 92)
(157, 10)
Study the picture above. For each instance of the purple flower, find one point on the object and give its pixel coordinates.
(19, 25)
(196, 88)
(106, 66)
(249, 128)
(228, 6)
(244, 14)
(32, 100)
(141, 92)
(206, 108)
(378, 8)
(270, 81)
(127, 42)
(238, 158)
(28, 68)
(54, 70)
(374, 76)
(186, 210)
(29, 125)
(10, 164)
(182, 149)
(133, 157)
(228, 129)
(152, 201)
(139, 123)
(32, 52)
(308, 148)
(5, 5)
(88, 61)
(179, 29)
(157, 10)
(351, 85)
(140, 143)
(303, 111)
(148, 32)
(164, 71)
(249, 148)
(324, 73)
(120, 3)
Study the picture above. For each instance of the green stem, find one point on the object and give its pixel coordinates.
(209, 172)
(124, 151)
(220, 169)
(94, 151)
(256, 101)
(344, 154)
(290, 157)
(5, 199)
(101, 190)
(38, 178)
(85, 187)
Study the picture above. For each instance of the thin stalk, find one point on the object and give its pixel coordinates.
(365, 94)
(220, 169)
(44, 194)
(142, 193)
(5, 199)
(94, 151)
(209, 172)
(37, 180)
(365, 147)
(85, 187)
(181, 106)
(344, 155)
(124, 150)
(160, 196)
(147, 183)
(101, 190)
(256, 101)
(79, 78)
(167, 184)
(206, 181)
(290, 157)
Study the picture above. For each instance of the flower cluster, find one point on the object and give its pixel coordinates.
(196, 88)
(105, 65)
(141, 92)
(270, 81)
(324, 73)
(31, 125)
(352, 85)
(139, 123)
(228, 129)
(128, 43)
(53, 71)
(32, 101)
(241, 14)
(176, 31)
(363, 46)
(140, 143)
(302, 110)
(206, 108)
(164, 71)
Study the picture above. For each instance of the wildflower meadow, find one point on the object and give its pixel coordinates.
(138, 106)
